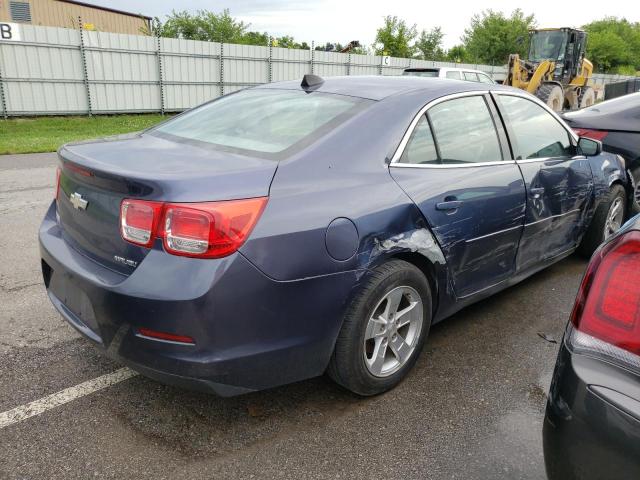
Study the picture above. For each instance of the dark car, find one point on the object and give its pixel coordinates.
(592, 425)
(616, 123)
(291, 229)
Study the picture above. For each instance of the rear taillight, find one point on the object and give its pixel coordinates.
(592, 134)
(607, 309)
(57, 194)
(204, 230)
(139, 220)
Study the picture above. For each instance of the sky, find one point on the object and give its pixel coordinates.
(345, 20)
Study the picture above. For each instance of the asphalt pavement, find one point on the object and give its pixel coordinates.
(472, 408)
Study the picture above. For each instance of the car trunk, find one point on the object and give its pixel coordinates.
(96, 176)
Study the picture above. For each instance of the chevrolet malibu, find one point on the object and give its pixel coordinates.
(293, 229)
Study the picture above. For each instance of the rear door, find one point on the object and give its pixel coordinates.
(452, 166)
(559, 183)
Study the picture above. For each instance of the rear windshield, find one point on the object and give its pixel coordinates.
(262, 121)
(421, 73)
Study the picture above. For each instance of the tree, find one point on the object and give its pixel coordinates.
(288, 41)
(492, 36)
(216, 27)
(203, 25)
(394, 38)
(255, 38)
(613, 45)
(457, 54)
(429, 44)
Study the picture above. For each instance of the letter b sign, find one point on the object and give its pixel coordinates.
(9, 31)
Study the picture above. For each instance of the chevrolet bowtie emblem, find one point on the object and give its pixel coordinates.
(77, 201)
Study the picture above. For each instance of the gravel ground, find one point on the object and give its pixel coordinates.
(471, 409)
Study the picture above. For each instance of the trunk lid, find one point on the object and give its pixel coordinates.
(96, 176)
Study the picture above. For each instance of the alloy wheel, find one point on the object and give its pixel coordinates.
(614, 217)
(393, 331)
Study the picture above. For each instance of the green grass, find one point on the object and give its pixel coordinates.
(46, 134)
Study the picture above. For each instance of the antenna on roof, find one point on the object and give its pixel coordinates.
(310, 80)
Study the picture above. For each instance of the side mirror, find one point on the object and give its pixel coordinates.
(589, 147)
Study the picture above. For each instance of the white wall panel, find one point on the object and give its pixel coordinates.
(45, 72)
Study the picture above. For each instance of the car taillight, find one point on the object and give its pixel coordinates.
(592, 134)
(204, 230)
(57, 194)
(606, 314)
(139, 220)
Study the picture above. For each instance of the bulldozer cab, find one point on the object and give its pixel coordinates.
(555, 71)
(563, 46)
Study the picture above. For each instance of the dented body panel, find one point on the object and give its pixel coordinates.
(480, 237)
(559, 202)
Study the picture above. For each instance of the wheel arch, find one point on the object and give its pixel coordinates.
(427, 268)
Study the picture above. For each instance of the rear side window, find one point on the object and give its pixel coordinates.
(454, 74)
(262, 121)
(422, 73)
(471, 76)
(534, 132)
(464, 131)
(421, 148)
(484, 78)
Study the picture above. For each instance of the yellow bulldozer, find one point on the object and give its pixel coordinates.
(556, 71)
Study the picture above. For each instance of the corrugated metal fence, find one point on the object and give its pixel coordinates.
(59, 71)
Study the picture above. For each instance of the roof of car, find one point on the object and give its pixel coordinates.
(379, 87)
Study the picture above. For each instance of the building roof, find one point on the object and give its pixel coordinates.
(108, 9)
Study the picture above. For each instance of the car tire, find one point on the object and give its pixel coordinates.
(602, 226)
(375, 349)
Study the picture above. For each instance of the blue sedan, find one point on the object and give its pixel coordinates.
(293, 229)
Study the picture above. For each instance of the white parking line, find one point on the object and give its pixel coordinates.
(67, 395)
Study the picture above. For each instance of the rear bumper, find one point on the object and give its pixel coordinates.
(592, 423)
(250, 332)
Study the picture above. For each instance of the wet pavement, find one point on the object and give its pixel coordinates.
(472, 408)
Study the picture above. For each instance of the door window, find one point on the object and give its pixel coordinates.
(421, 147)
(471, 76)
(453, 74)
(484, 78)
(534, 132)
(464, 131)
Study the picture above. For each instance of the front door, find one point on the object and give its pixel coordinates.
(453, 169)
(559, 184)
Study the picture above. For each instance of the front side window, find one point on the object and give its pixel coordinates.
(535, 132)
(453, 74)
(547, 45)
(464, 131)
(262, 121)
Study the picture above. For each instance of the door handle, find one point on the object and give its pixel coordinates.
(536, 192)
(449, 205)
